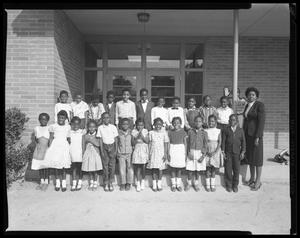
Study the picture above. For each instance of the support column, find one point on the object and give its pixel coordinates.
(235, 55)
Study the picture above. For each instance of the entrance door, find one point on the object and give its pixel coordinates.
(118, 80)
(163, 83)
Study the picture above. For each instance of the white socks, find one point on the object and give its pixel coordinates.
(212, 182)
(57, 184)
(207, 181)
(159, 184)
(42, 181)
(189, 182)
(142, 184)
(154, 184)
(74, 184)
(95, 184)
(46, 181)
(138, 186)
(178, 182)
(64, 183)
(196, 182)
(79, 183)
(173, 181)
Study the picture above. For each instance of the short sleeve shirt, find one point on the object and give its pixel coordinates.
(177, 137)
(108, 133)
(79, 109)
(42, 131)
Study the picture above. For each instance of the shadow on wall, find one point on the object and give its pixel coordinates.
(36, 26)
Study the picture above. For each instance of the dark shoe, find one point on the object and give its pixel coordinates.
(122, 187)
(111, 187)
(196, 187)
(213, 188)
(207, 189)
(228, 189)
(63, 189)
(187, 188)
(235, 189)
(73, 189)
(249, 183)
(57, 189)
(159, 189)
(106, 188)
(173, 188)
(256, 187)
(179, 189)
(127, 186)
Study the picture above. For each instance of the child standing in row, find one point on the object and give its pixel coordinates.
(214, 155)
(206, 110)
(42, 135)
(223, 113)
(124, 153)
(191, 112)
(197, 148)
(143, 109)
(58, 153)
(108, 133)
(175, 111)
(158, 139)
(63, 105)
(80, 109)
(91, 161)
(110, 107)
(177, 137)
(96, 109)
(126, 109)
(140, 154)
(76, 135)
(161, 112)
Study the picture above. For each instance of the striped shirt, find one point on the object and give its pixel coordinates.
(205, 112)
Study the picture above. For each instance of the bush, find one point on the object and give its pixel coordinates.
(16, 154)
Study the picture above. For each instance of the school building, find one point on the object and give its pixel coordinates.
(170, 52)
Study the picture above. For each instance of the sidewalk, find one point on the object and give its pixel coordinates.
(263, 212)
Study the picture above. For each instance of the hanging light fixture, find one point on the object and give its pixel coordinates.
(143, 17)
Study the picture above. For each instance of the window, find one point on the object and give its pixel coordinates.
(125, 55)
(124, 81)
(193, 86)
(163, 86)
(194, 56)
(163, 55)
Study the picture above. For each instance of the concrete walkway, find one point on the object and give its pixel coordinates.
(266, 211)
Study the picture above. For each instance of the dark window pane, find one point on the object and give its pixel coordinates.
(162, 80)
(197, 97)
(194, 55)
(93, 55)
(193, 82)
(120, 82)
(163, 91)
(90, 81)
(124, 55)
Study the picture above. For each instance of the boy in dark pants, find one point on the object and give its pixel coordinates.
(108, 133)
(234, 148)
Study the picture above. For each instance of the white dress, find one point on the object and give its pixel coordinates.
(76, 145)
(42, 135)
(213, 137)
(160, 112)
(58, 154)
(140, 153)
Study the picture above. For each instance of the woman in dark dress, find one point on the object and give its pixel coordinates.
(254, 122)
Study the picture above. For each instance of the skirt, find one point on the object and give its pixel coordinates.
(91, 160)
(192, 163)
(39, 154)
(177, 155)
(76, 153)
(140, 154)
(156, 158)
(254, 154)
(58, 155)
(217, 160)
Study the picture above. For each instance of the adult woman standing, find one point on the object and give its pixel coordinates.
(254, 122)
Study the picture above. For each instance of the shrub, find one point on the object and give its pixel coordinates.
(16, 154)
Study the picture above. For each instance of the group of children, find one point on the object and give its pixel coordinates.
(140, 136)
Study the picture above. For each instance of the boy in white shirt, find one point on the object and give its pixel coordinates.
(223, 113)
(96, 109)
(80, 109)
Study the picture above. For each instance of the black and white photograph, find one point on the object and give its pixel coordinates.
(149, 119)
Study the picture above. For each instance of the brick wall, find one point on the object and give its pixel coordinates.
(263, 63)
(29, 65)
(44, 56)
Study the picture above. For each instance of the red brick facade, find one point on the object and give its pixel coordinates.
(45, 54)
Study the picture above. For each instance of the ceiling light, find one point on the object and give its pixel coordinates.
(149, 58)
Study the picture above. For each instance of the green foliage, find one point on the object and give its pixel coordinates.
(16, 155)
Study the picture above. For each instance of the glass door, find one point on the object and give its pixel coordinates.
(118, 80)
(163, 83)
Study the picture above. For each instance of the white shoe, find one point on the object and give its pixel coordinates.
(138, 186)
(142, 184)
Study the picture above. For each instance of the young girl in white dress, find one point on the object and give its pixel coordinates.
(214, 156)
(42, 135)
(76, 135)
(91, 161)
(58, 153)
(63, 105)
(177, 152)
(158, 140)
(140, 154)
